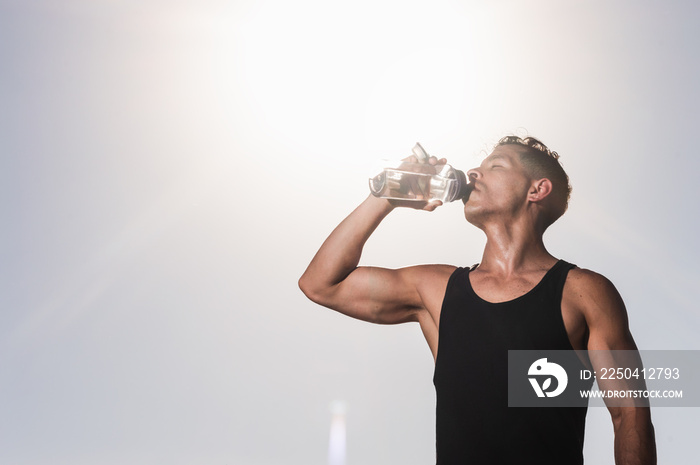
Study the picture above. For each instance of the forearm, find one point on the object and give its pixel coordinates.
(634, 438)
(340, 253)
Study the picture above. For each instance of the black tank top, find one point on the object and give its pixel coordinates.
(474, 423)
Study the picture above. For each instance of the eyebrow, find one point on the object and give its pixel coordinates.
(491, 158)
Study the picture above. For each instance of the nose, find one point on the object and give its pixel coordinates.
(473, 174)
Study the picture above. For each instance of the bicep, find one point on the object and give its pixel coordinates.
(377, 295)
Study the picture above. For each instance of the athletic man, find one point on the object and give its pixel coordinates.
(519, 297)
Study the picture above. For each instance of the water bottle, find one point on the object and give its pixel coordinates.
(401, 180)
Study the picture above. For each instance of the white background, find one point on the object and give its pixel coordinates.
(169, 168)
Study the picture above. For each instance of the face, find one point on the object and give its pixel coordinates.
(500, 189)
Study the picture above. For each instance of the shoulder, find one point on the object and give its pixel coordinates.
(597, 300)
(428, 272)
(430, 281)
(428, 277)
(592, 294)
(585, 281)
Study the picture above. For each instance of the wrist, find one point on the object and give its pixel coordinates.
(383, 206)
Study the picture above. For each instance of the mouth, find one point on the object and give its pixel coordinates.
(471, 187)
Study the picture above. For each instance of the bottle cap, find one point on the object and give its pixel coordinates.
(465, 187)
(420, 153)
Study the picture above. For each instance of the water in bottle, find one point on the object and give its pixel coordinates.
(403, 180)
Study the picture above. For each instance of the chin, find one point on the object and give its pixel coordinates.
(472, 215)
(478, 215)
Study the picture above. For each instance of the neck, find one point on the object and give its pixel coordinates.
(514, 247)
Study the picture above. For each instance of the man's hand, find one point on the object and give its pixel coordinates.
(420, 205)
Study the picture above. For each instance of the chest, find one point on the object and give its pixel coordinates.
(496, 290)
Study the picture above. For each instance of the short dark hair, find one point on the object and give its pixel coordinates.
(541, 162)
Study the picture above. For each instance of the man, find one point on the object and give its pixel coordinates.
(519, 297)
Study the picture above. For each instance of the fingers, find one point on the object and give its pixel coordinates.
(436, 161)
(431, 161)
(430, 206)
(416, 205)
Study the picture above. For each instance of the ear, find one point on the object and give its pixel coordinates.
(539, 190)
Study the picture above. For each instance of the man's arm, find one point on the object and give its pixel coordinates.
(334, 280)
(606, 318)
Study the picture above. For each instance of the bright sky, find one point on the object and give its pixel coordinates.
(170, 168)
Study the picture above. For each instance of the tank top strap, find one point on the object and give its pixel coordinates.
(557, 277)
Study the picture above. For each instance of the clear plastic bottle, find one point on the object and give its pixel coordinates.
(401, 180)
